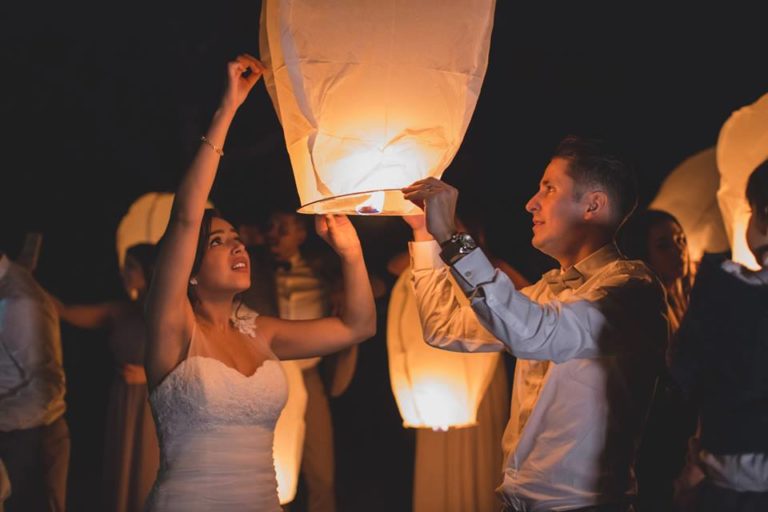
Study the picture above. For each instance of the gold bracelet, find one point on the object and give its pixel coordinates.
(213, 146)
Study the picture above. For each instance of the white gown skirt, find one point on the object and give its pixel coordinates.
(230, 468)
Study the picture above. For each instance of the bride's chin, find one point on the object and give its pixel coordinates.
(241, 287)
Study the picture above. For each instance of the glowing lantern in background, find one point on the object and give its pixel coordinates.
(288, 444)
(145, 222)
(372, 94)
(690, 194)
(434, 388)
(741, 146)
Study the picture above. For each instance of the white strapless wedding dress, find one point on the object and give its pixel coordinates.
(215, 428)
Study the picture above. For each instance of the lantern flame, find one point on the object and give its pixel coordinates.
(373, 205)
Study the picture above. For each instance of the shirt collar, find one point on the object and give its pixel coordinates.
(576, 275)
(755, 277)
(590, 265)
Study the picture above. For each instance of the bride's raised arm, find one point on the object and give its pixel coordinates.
(168, 311)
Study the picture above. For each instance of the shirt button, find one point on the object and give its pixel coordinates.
(468, 273)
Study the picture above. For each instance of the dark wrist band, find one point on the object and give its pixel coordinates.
(456, 247)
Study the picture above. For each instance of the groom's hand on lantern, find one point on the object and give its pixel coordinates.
(438, 200)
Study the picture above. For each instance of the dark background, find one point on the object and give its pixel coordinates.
(102, 103)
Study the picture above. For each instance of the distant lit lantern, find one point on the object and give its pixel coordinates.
(372, 94)
(145, 222)
(690, 194)
(289, 434)
(434, 388)
(741, 146)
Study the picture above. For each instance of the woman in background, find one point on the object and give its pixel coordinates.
(657, 238)
(131, 453)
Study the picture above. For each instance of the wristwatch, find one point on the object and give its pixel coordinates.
(456, 247)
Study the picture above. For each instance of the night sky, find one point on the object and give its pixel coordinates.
(102, 103)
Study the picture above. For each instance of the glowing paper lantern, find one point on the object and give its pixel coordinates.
(434, 388)
(741, 146)
(690, 194)
(372, 94)
(289, 434)
(145, 222)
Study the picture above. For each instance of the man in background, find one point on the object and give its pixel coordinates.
(34, 437)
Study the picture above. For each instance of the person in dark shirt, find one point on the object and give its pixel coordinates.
(720, 361)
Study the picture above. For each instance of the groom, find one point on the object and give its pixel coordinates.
(588, 336)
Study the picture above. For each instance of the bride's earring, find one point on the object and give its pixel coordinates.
(193, 281)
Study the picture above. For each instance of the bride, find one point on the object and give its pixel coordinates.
(217, 387)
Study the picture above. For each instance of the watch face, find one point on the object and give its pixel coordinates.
(457, 246)
(467, 242)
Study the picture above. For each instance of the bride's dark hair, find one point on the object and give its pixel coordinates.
(202, 246)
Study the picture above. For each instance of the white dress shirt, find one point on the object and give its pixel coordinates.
(31, 373)
(301, 295)
(589, 343)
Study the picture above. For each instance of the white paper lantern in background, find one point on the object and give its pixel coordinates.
(434, 388)
(288, 444)
(690, 194)
(372, 94)
(741, 146)
(145, 222)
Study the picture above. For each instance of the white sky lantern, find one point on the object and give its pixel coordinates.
(372, 94)
(741, 146)
(289, 434)
(690, 194)
(145, 222)
(434, 388)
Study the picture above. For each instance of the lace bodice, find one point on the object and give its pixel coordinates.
(203, 393)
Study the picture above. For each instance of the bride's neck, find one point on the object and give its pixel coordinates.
(215, 313)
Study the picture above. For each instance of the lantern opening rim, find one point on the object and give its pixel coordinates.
(316, 207)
